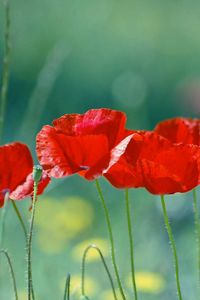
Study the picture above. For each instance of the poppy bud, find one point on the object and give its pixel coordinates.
(37, 173)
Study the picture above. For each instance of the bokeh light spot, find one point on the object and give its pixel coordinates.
(148, 282)
(108, 295)
(129, 89)
(22, 295)
(61, 221)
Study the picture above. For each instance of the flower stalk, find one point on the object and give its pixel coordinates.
(197, 227)
(131, 243)
(67, 288)
(3, 219)
(105, 267)
(107, 216)
(21, 221)
(37, 173)
(173, 245)
(5, 253)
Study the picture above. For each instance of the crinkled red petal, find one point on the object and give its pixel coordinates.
(158, 165)
(180, 130)
(26, 188)
(62, 155)
(110, 159)
(80, 143)
(15, 164)
(110, 123)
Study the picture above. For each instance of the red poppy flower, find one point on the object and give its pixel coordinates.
(81, 143)
(16, 166)
(157, 164)
(180, 130)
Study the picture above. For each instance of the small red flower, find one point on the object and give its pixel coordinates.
(157, 164)
(16, 166)
(81, 143)
(180, 130)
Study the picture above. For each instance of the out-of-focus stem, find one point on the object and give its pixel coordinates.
(20, 219)
(6, 70)
(67, 288)
(5, 253)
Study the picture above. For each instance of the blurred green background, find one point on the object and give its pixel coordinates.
(141, 57)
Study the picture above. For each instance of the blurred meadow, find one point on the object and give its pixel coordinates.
(141, 57)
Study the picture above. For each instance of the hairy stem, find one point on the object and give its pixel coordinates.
(3, 219)
(131, 243)
(104, 264)
(6, 65)
(173, 245)
(21, 221)
(5, 253)
(29, 242)
(107, 216)
(197, 227)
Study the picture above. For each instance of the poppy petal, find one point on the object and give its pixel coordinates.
(95, 121)
(123, 175)
(180, 130)
(26, 188)
(15, 163)
(62, 155)
(110, 159)
(158, 165)
(80, 143)
(51, 154)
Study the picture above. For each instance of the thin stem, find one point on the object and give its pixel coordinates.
(107, 216)
(131, 243)
(3, 219)
(29, 243)
(20, 218)
(67, 288)
(104, 264)
(6, 64)
(5, 253)
(173, 245)
(197, 226)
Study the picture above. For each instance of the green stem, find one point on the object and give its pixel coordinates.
(6, 64)
(173, 245)
(21, 221)
(131, 243)
(107, 216)
(29, 242)
(104, 264)
(5, 253)
(197, 227)
(3, 219)
(67, 288)
(20, 218)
